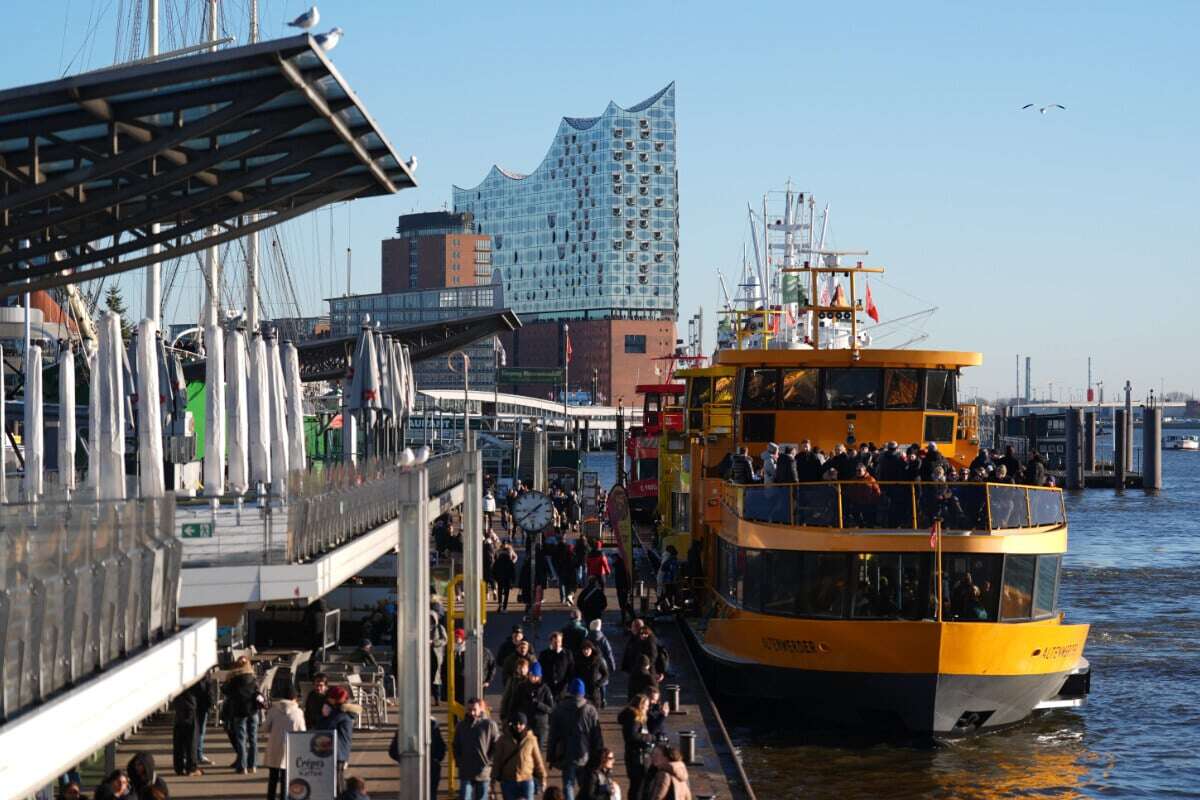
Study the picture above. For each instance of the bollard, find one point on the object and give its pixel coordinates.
(687, 746)
(1152, 449)
(643, 598)
(672, 696)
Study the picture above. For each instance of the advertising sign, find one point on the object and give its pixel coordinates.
(622, 526)
(311, 765)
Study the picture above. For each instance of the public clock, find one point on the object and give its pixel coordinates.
(533, 511)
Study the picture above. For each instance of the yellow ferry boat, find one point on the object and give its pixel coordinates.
(918, 606)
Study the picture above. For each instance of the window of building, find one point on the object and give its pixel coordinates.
(635, 343)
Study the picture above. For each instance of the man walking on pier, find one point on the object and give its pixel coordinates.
(575, 736)
(474, 743)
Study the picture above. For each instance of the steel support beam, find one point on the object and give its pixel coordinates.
(412, 635)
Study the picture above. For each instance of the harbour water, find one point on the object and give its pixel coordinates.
(1133, 571)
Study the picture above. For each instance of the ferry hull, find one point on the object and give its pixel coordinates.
(942, 705)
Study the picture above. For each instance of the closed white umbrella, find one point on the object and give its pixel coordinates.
(364, 389)
(297, 457)
(214, 411)
(387, 389)
(34, 444)
(235, 404)
(259, 423)
(278, 420)
(109, 378)
(149, 411)
(410, 380)
(93, 364)
(66, 418)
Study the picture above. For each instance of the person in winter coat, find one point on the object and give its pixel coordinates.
(525, 652)
(601, 783)
(641, 643)
(508, 699)
(592, 601)
(356, 789)
(315, 700)
(504, 571)
(509, 645)
(474, 746)
(183, 734)
(769, 464)
(741, 467)
(574, 632)
(564, 565)
(240, 714)
(669, 778)
(460, 661)
(604, 648)
(557, 663)
(591, 668)
(115, 786)
(437, 655)
(575, 736)
(597, 565)
(657, 712)
(635, 733)
(644, 678)
(517, 760)
(144, 782)
(338, 714)
(785, 466)
(284, 717)
(534, 699)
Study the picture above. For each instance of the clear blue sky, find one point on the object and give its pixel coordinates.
(1052, 236)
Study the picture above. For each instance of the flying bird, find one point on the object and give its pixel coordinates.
(1044, 109)
(306, 20)
(330, 40)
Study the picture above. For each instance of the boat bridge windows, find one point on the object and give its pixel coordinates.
(981, 587)
(847, 388)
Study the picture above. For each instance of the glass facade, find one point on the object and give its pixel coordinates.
(593, 232)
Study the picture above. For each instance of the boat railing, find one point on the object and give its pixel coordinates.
(897, 505)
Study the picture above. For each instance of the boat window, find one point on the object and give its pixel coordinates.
(753, 580)
(758, 427)
(902, 388)
(1016, 601)
(890, 586)
(723, 390)
(700, 392)
(1046, 507)
(939, 390)
(852, 388)
(939, 427)
(1045, 593)
(760, 388)
(727, 577)
(781, 578)
(646, 468)
(824, 585)
(801, 388)
(970, 587)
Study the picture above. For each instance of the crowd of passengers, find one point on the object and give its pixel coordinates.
(866, 503)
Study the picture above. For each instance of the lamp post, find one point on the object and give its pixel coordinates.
(466, 373)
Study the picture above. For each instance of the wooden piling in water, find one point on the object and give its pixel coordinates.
(1075, 448)
(1120, 448)
(1152, 448)
(1089, 441)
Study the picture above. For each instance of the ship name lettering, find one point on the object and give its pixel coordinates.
(789, 645)
(1060, 651)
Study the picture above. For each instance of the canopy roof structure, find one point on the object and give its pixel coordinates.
(197, 145)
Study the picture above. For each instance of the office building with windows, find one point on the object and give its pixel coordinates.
(590, 238)
(435, 249)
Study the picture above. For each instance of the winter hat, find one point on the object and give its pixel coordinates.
(337, 695)
(536, 669)
(364, 644)
(519, 718)
(576, 688)
(460, 634)
(595, 624)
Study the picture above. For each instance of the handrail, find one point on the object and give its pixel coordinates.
(900, 505)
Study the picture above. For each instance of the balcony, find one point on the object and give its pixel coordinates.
(898, 506)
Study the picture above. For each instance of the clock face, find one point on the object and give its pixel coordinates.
(533, 511)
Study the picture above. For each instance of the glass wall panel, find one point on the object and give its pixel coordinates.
(824, 580)
(815, 504)
(890, 586)
(1045, 507)
(700, 392)
(1016, 601)
(766, 504)
(754, 580)
(760, 388)
(782, 581)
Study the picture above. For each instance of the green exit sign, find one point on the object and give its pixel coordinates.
(529, 375)
(196, 530)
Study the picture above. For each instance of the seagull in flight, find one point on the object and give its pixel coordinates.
(306, 20)
(1044, 109)
(330, 40)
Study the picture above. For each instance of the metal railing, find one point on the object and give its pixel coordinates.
(82, 584)
(897, 505)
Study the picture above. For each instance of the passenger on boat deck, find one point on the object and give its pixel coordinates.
(768, 462)
(741, 469)
(1001, 475)
(1035, 470)
(786, 467)
(808, 465)
(982, 461)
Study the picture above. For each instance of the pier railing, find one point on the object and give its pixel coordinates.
(324, 509)
(897, 505)
(82, 584)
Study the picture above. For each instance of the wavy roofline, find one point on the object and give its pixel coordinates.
(577, 123)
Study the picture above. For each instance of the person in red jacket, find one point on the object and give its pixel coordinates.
(597, 565)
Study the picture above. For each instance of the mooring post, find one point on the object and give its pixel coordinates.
(1120, 447)
(1152, 448)
(1074, 476)
(1089, 441)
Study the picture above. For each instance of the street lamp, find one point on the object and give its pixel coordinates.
(466, 373)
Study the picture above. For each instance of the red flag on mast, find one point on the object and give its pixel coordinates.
(872, 311)
(569, 350)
